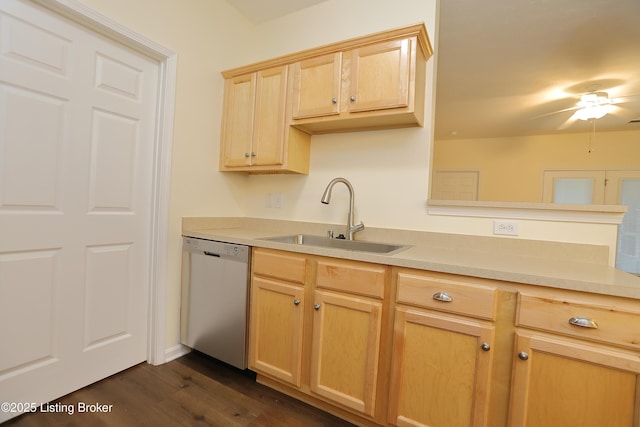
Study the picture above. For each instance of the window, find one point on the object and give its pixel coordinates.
(603, 187)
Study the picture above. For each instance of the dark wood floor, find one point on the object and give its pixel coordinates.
(193, 390)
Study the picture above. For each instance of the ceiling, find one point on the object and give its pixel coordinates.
(265, 10)
(504, 67)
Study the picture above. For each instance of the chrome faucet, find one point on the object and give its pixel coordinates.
(326, 198)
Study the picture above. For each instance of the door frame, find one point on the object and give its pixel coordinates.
(163, 140)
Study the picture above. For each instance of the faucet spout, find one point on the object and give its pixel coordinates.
(326, 198)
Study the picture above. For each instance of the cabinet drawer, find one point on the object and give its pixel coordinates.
(351, 276)
(280, 265)
(447, 295)
(614, 324)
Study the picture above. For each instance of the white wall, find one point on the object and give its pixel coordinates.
(208, 36)
(389, 169)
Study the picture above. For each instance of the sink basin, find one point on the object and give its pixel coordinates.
(350, 245)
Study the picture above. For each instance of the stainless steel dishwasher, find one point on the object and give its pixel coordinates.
(215, 296)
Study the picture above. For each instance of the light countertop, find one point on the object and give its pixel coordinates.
(555, 272)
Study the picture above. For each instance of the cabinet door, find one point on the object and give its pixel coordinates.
(440, 370)
(237, 122)
(269, 122)
(316, 86)
(275, 340)
(345, 350)
(558, 382)
(380, 76)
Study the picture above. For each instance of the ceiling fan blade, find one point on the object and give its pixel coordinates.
(571, 120)
(621, 112)
(556, 112)
(623, 99)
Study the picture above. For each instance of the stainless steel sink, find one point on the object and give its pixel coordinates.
(350, 245)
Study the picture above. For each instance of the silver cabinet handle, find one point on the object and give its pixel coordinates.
(523, 355)
(334, 100)
(583, 322)
(485, 346)
(316, 307)
(352, 98)
(442, 296)
(296, 301)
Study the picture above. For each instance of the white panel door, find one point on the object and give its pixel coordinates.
(623, 188)
(77, 120)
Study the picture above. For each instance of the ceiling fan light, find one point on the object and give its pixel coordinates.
(593, 105)
(593, 98)
(592, 112)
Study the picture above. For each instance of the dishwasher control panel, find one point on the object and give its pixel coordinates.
(212, 247)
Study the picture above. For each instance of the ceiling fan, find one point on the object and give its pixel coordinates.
(593, 106)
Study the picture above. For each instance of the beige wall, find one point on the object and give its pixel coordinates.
(208, 36)
(389, 169)
(511, 169)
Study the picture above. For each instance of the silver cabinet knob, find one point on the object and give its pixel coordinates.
(523, 355)
(296, 301)
(485, 346)
(352, 98)
(253, 154)
(442, 296)
(334, 100)
(247, 155)
(583, 322)
(316, 307)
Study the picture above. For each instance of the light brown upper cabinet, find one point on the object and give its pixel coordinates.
(377, 85)
(255, 137)
(316, 86)
(271, 108)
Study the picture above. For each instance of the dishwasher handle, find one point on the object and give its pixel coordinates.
(211, 254)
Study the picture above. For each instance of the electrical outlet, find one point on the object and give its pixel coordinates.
(508, 228)
(277, 200)
(274, 200)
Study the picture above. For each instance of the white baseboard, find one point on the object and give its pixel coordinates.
(175, 352)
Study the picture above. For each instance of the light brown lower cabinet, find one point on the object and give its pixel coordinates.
(557, 382)
(391, 346)
(318, 334)
(277, 314)
(275, 347)
(440, 370)
(576, 361)
(442, 350)
(346, 349)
